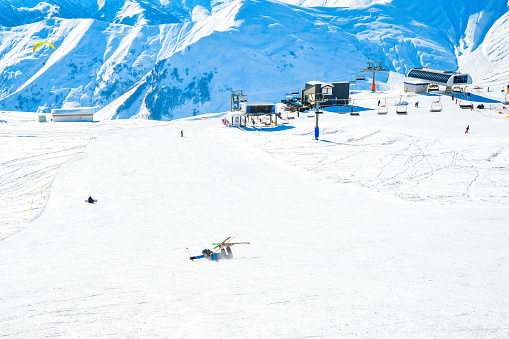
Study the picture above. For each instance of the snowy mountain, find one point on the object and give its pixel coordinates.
(168, 59)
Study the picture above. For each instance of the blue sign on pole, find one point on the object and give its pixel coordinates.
(317, 132)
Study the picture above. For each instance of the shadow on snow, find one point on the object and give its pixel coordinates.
(268, 129)
(346, 109)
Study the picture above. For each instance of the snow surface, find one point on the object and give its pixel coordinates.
(387, 226)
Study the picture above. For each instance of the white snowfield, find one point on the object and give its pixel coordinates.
(386, 227)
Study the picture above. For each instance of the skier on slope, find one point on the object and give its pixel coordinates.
(208, 254)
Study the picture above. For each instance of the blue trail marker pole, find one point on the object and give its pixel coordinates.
(317, 130)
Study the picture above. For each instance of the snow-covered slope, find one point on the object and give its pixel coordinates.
(125, 56)
(386, 227)
(492, 56)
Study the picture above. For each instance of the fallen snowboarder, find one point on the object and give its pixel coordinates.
(224, 247)
(208, 254)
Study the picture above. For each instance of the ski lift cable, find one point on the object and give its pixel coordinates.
(292, 87)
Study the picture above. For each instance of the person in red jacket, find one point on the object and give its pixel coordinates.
(468, 127)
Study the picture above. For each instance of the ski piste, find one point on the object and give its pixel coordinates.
(233, 243)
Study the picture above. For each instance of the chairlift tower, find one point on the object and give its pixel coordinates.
(236, 98)
(374, 67)
(317, 112)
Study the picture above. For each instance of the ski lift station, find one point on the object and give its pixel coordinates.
(418, 79)
(252, 109)
(416, 86)
(328, 94)
(73, 114)
(236, 118)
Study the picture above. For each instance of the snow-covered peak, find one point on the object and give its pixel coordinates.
(130, 12)
(337, 3)
(135, 56)
(200, 13)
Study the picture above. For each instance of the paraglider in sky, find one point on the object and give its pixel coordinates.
(42, 43)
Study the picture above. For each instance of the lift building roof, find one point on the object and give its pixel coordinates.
(443, 78)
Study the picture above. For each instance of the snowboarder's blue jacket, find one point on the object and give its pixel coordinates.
(214, 256)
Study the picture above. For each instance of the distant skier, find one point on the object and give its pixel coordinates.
(468, 127)
(90, 200)
(378, 102)
(417, 104)
(452, 97)
(208, 254)
(182, 133)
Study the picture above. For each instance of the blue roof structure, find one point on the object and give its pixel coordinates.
(440, 77)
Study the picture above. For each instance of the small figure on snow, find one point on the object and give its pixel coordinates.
(452, 97)
(90, 200)
(468, 127)
(417, 104)
(181, 133)
(208, 254)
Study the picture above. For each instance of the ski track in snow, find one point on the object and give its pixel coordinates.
(402, 167)
(30, 157)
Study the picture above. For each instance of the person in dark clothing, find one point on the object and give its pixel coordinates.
(208, 254)
(182, 133)
(468, 127)
(90, 200)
